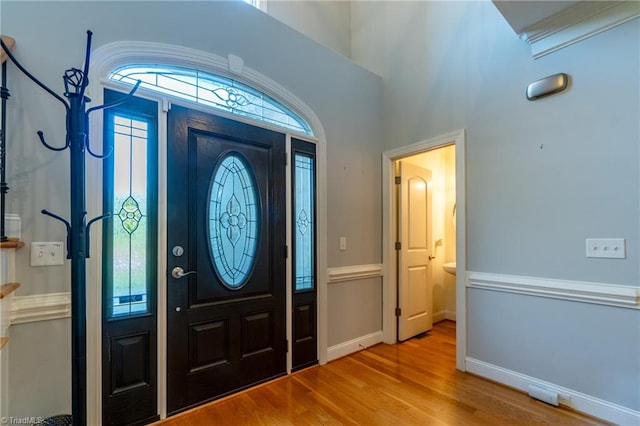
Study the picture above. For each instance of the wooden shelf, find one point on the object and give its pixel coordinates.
(7, 289)
(3, 341)
(13, 243)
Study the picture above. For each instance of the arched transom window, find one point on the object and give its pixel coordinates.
(213, 90)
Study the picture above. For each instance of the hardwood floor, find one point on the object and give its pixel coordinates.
(413, 383)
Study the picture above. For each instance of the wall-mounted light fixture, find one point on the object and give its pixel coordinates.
(547, 86)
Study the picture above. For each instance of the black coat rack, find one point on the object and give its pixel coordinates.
(77, 141)
(4, 94)
(4, 188)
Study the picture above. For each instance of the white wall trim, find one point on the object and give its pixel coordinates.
(577, 291)
(439, 316)
(444, 315)
(354, 345)
(576, 400)
(351, 273)
(40, 307)
(577, 23)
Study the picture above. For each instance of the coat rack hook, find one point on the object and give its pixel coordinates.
(52, 148)
(67, 224)
(91, 222)
(121, 101)
(88, 145)
(99, 156)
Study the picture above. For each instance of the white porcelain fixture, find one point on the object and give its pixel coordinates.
(450, 267)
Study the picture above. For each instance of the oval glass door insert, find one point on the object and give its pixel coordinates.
(233, 221)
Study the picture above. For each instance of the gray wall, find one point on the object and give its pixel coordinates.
(362, 297)
(50, 38)
(327, 22)
(40, 369)
(463, 67)
(581, 346)
(541, 176)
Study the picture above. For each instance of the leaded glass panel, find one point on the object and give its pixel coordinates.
(213, 90)
(129, 216)
(304, 221)
(233, 221)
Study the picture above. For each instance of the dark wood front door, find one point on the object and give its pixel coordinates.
(226, 230)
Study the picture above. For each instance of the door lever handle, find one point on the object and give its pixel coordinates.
(178, 272)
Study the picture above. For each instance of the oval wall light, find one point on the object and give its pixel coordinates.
(547, 86)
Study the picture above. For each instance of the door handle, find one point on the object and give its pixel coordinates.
(178, 272)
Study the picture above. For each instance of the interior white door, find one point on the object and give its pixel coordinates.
(414, 289)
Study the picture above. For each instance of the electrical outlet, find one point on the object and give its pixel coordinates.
(47, 253)
(611, 248)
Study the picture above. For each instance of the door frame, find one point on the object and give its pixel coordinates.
(389, 221)
(106, 58)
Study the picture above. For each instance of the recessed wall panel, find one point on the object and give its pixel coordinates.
(417, 213)
(208, 345)
(417, 287)
(130, 356)
(305, 322)
(257, 336)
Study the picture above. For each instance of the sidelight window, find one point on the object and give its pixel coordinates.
(304, 216)
(129, 232)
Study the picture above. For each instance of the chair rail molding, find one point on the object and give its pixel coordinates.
(578, 291)
(40, 307)
(351, 273)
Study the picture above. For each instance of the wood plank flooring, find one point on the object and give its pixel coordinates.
(413, 383)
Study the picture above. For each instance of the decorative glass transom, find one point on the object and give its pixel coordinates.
(233, 220)
(213, 90)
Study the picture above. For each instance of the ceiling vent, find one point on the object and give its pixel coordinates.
(551, 25)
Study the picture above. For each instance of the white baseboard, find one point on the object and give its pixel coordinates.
(578, 401)
(354, 345)
(444, 315)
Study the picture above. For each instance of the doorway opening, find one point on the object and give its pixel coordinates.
(426, 200)
(419, 262)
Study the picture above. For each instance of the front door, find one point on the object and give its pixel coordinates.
(225, 258)
(414, 258)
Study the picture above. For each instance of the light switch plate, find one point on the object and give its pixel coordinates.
(47, 253)
(610, 248)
